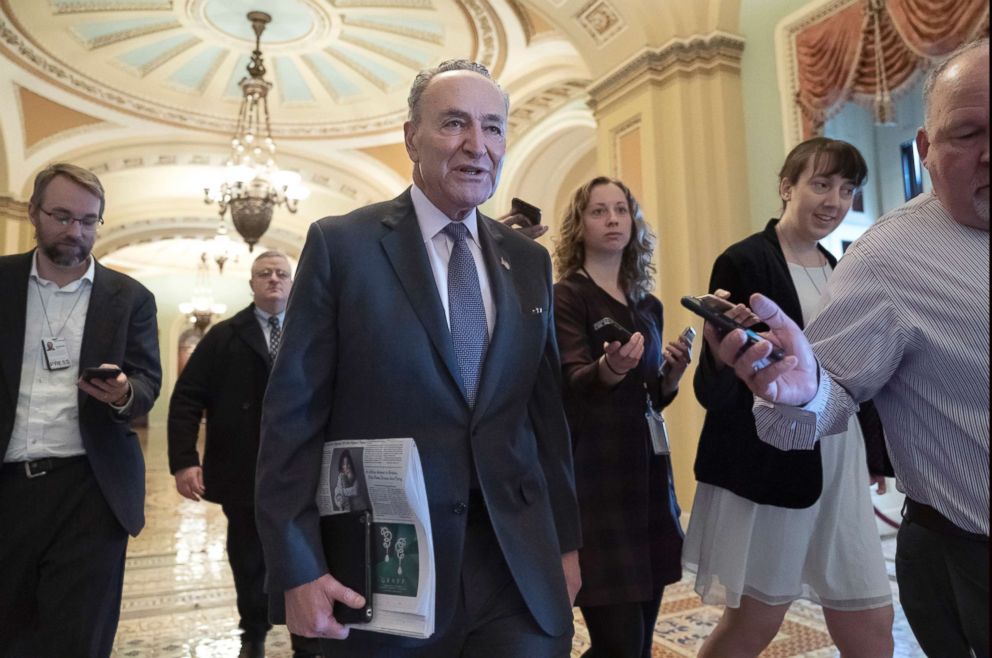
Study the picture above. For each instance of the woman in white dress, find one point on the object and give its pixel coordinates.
(769, 527)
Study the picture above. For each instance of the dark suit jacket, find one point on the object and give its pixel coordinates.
(120, 328)
(225, 377)
(730, 454)
(367, 354)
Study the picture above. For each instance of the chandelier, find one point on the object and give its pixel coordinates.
(252, 184)
(201, 308)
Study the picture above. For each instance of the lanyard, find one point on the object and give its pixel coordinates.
(44, 310)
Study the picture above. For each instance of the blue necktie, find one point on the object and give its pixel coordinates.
(469, 330)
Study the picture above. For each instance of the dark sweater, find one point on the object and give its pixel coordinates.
(632, 542)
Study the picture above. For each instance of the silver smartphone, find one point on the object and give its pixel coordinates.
(688, 335)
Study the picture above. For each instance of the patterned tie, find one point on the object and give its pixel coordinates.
(469, 330)
(275, 335)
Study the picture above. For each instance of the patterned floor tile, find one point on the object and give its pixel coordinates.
(179, 597)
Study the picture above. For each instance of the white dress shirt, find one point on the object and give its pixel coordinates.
(46, 421)
(432, 223)
(905, 323)
(263, 322)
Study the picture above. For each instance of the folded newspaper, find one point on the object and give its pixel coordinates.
(385, 476)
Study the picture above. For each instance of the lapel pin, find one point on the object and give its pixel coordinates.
(505, 263)
(537, 310)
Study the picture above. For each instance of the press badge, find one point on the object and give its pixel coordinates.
(56, 353)
(658, 429)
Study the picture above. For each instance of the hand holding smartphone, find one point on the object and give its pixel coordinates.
(531, 212)
(712, 308)
(686, 337)
(609, 330)
(89, 374)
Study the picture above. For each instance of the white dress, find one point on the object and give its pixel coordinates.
(829, 553)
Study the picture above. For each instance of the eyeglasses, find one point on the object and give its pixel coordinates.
(266, 273)
(64, 218)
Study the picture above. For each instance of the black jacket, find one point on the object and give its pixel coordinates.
(225, 377)
(730, 454)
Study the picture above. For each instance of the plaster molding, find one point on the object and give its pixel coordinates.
(678, 56)
(194, 227)
(12, 209)
(527, 114)
(601, 21)
(616, 134)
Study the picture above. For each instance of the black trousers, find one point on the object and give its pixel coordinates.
(244, 552)
(247, 560)
(61, 564)
(622, 630)
(492, 619)
(944, 590)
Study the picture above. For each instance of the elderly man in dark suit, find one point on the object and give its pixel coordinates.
(419, 317)
(226, 378)
(72, 484)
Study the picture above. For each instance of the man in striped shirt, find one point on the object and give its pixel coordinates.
(905, 322)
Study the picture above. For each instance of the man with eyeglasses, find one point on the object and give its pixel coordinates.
(72, 483)
(226, 377)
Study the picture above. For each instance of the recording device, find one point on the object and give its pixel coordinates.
(608, 331)
(90, 374)
(531, 212)
(687, 336)
(706, 308)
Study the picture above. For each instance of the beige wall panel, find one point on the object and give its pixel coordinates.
(695, 197)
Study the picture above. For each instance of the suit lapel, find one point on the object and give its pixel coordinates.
(404, 247)
(104, 315)
(12, 322)
(507, 313)
(246, 325)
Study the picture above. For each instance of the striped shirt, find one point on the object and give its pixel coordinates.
(905, 322)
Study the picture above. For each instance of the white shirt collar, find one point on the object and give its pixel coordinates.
(72, 286)
(432, 221)
(265, 316)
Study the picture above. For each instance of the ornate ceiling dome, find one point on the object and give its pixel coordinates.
(339, 67)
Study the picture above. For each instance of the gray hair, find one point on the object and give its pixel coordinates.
(271, 253)
(424, 78)
(933, 75)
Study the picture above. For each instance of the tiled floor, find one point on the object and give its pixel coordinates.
(179, 596)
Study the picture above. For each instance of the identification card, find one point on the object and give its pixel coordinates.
(56, 353)
(659, 432)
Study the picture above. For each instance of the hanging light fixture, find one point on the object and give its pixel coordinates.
(201, 308)
(253, 185)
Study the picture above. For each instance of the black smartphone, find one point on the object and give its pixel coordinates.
(347, 539)
(100, 373)
(531, 212)
(609, 330)
(705, 308)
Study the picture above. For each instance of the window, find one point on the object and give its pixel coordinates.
(912, 169)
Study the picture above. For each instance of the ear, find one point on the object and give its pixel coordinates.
(409, 131)
(922, 144)
(785, 189)
(33, 214)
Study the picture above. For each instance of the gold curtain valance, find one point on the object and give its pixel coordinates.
(873, 47)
